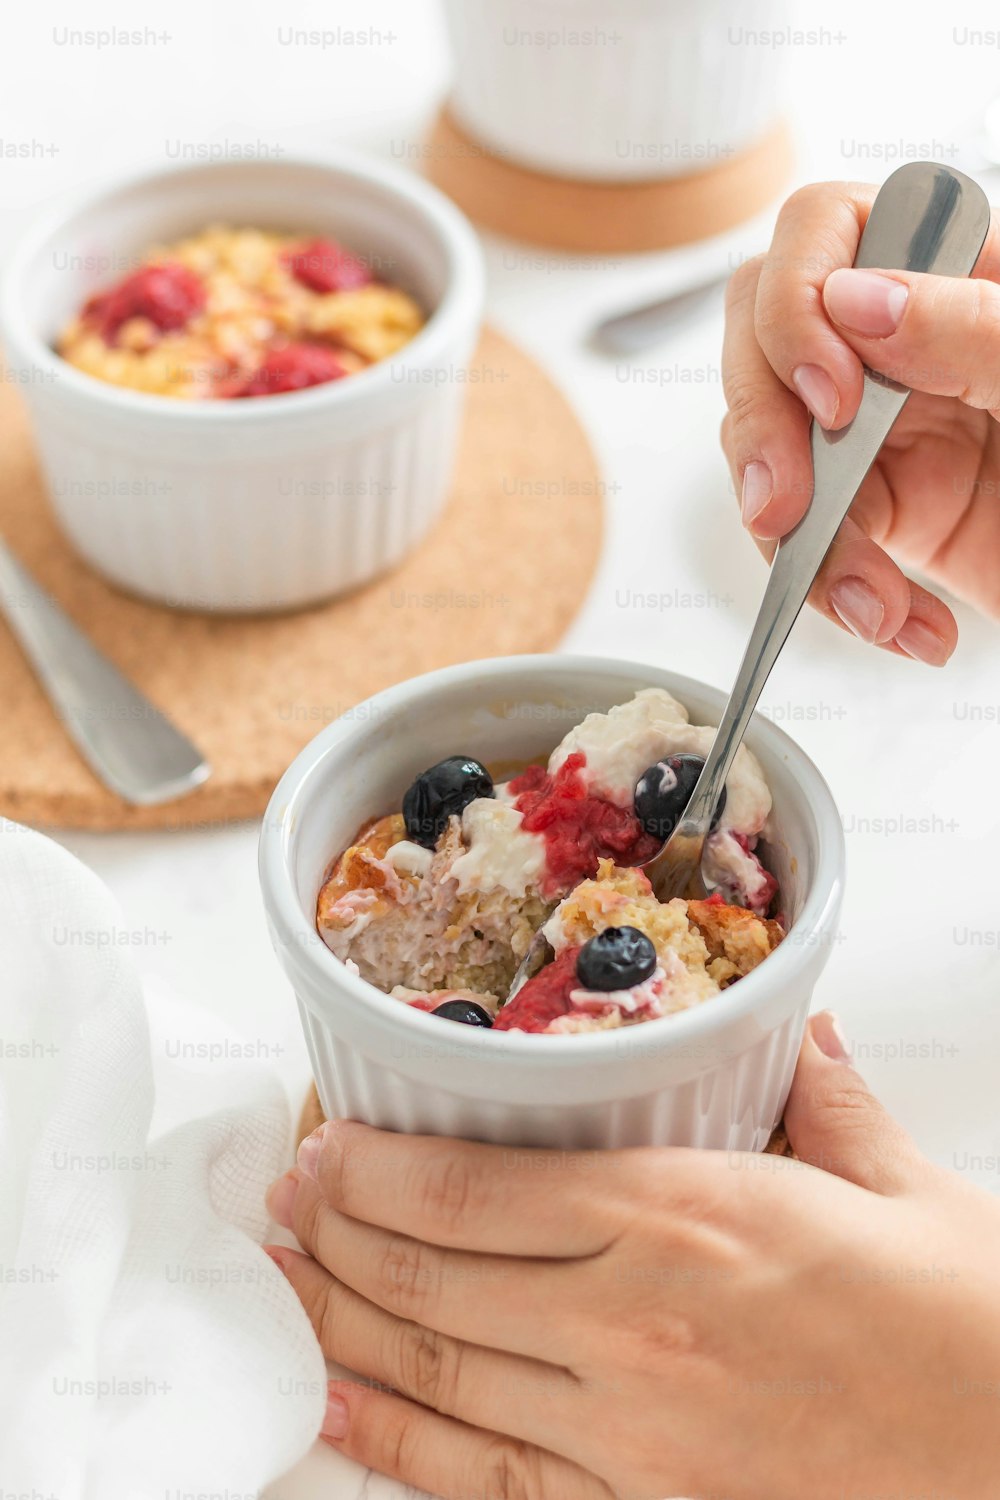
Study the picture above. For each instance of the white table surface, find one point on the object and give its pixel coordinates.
(910, 753)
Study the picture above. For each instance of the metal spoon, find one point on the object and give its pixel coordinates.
(926, 217)
(125, 740)
(630, 332)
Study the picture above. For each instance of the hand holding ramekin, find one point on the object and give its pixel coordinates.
(716, 1075)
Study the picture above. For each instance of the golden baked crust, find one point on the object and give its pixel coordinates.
(619, 897)
(361, 867)
(737, 940)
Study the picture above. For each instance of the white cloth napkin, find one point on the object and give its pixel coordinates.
(148, 1347)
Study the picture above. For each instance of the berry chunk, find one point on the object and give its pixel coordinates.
(616, 959)
(579, 828)
(466, 1011)
(167, 295)
(443, 791)
(543, 999)
(663, 792)
(294, 367)
(325, 266)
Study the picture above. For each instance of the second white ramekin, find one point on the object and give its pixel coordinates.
(263, 504)
(715, 1076)
(616, 90)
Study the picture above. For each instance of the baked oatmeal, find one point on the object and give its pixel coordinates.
(436, 904)
(240, 312)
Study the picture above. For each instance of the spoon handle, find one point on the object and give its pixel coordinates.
(125, 740)
(926, 217)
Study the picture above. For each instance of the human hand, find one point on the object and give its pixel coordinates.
(577, 1326)
(799, 327)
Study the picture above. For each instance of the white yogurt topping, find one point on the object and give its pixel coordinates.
(623, 743)
(738, 874)
(498, 850)
(620, 744)
(409, 858)
(644, 996)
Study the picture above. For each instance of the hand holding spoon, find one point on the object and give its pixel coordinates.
(926, 217)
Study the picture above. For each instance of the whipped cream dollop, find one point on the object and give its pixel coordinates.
(408, 858)
(498, 851)
(641, 997)
(628, 739)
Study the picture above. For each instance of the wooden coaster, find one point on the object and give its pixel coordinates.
(505, 570)
(312, 1116)
(604, 217)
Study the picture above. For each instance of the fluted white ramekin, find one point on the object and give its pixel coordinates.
(616, 89)
(263, 504)
(715, 1076)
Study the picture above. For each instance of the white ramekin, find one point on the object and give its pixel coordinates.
(616, 90)
(714, 1076)
(263, 504)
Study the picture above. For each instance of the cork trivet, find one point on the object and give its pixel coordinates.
(604, 217)
(504, 571)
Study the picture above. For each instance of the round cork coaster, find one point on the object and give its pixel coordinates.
(605, 217)
(505, 570)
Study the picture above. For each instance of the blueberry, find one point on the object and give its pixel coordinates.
(616, 959)
(466, 1011)
(664, 790)
(441, 791)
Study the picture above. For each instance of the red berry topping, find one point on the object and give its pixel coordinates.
(759, 899)
(167, 295)
(543, 998)
(293, 368)
(578, 829)
(325, 266)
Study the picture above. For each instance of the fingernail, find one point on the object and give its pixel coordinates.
(859, 607)
(922, 643)
(757, 488)
(826, 1033)
(280, 1199)
(818, 392)
(274, 1252)
(865, 301)
(336, 1417)
(308, 1152)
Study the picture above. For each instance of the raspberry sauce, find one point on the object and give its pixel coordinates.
(325, 266)
(167, 295)
(543, 998)
(578, 828)
(293, 368)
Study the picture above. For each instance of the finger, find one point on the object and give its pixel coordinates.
(473, 1197)
(860, 588)
(523, 1397)
(814, 245)
(817, 231)
(766, 432)
(521, 1306)
(938, 334)
(445, 1457)
(835, 1123)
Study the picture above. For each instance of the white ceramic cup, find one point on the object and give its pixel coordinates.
(716, 1076)
(263, 504)
(616, 90)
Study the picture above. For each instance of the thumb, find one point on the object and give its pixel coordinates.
(939, 334)
(834, 1123)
